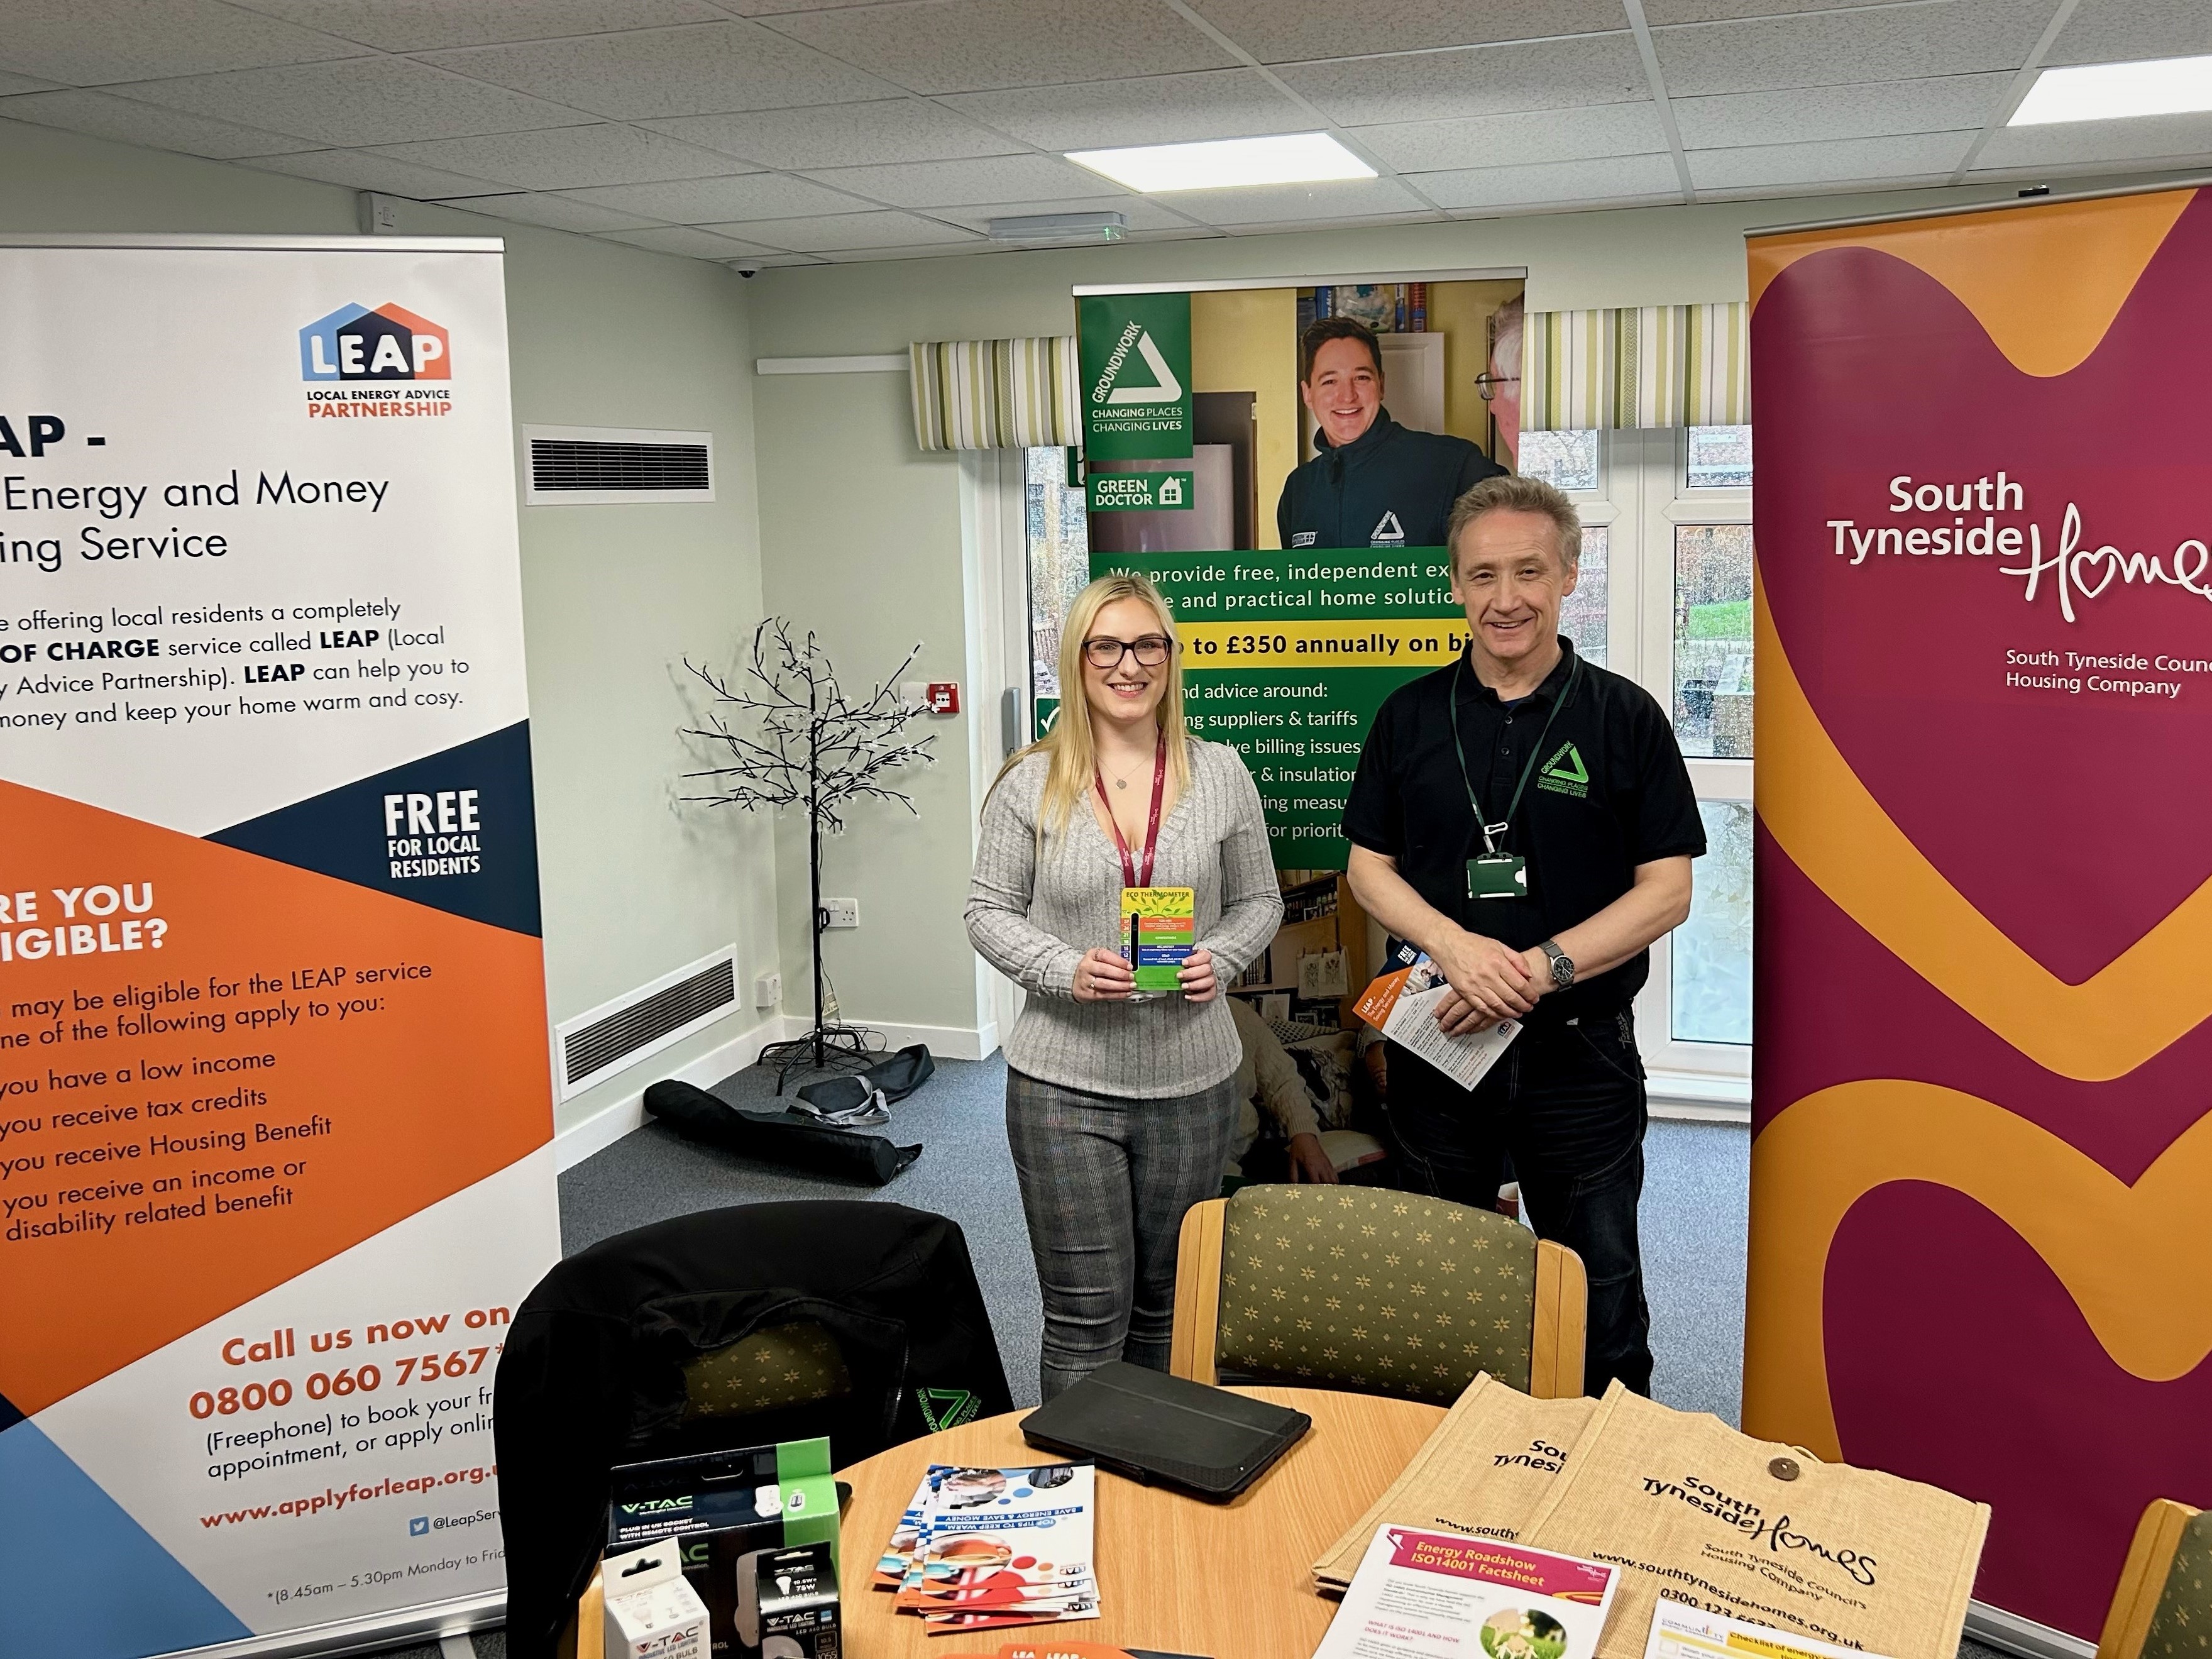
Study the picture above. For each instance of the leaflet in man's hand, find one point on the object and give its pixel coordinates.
(1402, 1005)
(1437, 1594)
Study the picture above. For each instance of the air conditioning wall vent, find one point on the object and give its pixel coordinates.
(594, 1046)
(600, 466)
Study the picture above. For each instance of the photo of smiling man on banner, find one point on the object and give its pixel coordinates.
(1372, 483)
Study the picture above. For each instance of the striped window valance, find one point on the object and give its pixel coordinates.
(1654, 366)
(995, 394)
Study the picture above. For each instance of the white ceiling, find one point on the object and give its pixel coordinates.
(785, 132)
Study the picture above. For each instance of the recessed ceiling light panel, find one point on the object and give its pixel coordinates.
(2110, 91)
(1290, 158)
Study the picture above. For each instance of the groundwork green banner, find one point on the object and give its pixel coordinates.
(1134, 352)
(1287, 655)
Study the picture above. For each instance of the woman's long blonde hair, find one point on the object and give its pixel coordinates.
(1074, 752)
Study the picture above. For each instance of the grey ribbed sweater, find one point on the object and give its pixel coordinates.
(1032, 919)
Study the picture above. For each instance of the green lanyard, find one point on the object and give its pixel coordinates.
(1492, 831)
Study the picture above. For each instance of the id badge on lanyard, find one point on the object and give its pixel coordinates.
(1495, 873)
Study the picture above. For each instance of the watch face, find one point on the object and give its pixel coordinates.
(1562, 971)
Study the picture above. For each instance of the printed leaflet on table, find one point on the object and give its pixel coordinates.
(983, 1548)
(1681, 1631)
(1431, 1592)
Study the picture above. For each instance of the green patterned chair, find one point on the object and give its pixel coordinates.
(1374, 1291)
(2162, 1609)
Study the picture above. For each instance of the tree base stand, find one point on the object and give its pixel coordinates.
(834, 1049)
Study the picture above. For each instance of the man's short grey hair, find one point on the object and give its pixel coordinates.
(1510, 494)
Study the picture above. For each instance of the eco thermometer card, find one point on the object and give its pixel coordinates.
(1161, 926)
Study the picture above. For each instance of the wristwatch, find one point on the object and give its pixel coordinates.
(1563, 965)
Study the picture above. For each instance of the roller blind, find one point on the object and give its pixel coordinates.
(995, 394)
(1651, 367)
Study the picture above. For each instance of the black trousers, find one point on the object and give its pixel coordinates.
(1567, 1104)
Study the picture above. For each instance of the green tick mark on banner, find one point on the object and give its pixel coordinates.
(1134, 354)
(1564, 773)
(1121, 492)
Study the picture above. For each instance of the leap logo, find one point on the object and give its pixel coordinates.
(388, 344)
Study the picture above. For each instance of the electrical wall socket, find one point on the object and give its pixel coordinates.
(768, 990)
(842, 912)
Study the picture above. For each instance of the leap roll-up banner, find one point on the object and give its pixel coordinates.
(1981, 1175)
(274, 1112)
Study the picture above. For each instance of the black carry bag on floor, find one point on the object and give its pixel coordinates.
(784, 1139)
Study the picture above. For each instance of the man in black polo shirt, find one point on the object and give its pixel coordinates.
(1374, 484)
(1526, 819)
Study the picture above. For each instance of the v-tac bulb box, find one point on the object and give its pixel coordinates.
(652, 1611)
(787, 1603)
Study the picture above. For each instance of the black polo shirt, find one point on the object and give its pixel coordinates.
(1610, 792)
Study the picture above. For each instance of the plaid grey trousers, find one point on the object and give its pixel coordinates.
(1105, 1182)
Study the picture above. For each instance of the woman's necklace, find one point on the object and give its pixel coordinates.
(1123, 781)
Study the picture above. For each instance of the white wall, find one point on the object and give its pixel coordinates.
(613, 597)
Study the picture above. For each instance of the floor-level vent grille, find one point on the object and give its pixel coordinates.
(597, 466)
(595, 1046)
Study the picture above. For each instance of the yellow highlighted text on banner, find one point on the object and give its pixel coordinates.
(1423, 643)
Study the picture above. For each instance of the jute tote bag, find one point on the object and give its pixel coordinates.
(1691, 1508)
(1482, 1472)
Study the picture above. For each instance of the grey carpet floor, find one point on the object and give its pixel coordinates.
(1693, 1227)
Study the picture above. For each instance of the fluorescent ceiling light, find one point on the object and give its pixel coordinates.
(1289, 158)
(2110, 92)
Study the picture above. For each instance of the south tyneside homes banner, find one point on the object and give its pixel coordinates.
(274, 1111)
(1982, 1168)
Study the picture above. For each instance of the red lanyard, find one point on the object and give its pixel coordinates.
(1131, 876)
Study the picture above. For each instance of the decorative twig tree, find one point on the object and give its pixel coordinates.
(815, 748)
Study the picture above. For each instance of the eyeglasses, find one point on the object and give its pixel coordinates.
(1151, 651)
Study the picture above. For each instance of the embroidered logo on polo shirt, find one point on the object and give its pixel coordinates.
(1564, 774)
(947, 1408)
(1388, 532)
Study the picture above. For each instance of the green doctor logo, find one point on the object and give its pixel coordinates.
(1134, 352)
(1564, 773)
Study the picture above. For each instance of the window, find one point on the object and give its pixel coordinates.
(1673, 511)
(1058, 564)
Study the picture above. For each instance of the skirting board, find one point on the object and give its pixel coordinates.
(2009, 1632)
(1685, 1099)
(626, 1111)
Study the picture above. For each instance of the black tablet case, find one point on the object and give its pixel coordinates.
(1166, 1430)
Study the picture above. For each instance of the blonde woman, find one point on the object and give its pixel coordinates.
(1120, 1109)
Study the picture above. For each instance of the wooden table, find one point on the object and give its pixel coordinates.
(1229, 1581)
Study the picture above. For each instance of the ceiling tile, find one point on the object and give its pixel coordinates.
(842, 231)
(2144, 138)
(841, 135)
(1275, 33)
(706, 69)
(1495, 141)
(686, 240)
(1941, 103)
(361, 169)
(1434, 86)
(2118, 31)
(1617, 179)
(1163, 109)
(717, 201)
(569, 158)
(12, 84)
(103, 117)
(1345, 198)
(1835, 162)
(369, 100)
(958, 184)
(84, 43)
(1833, 49)
(1142, 212)
(553, 212)
(427, 25)
(1660, 12)
(971, 45)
